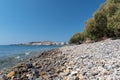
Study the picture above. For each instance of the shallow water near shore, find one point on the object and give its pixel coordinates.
(12, 54)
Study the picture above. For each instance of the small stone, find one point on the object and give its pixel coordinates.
(107, 66)
(74, 73)
(0, 72)
(18, 76)
(3, 77)
(80, 76)
(38, 66)
(10, 74)
(71, 63)
(67, 78)
(23, 70)
(39, 78)
(23, 76)
(67, 71)
(30, 77)
(29, 65)
(45, 77)
(34, 71)
(90, 65)
(94, 73)
(42, 73)
(77, 78)
(58, 70)
(108, 78)
(105, 72)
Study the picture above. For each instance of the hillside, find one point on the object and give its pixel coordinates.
(105, 23)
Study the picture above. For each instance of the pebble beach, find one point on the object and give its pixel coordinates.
(88, 61)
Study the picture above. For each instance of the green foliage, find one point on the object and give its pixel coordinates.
(112, 9)
(105, 23)
(100, 23)
(113, 1)
(110, 27)
(117, 30)
(76, 38)
(90, 29)
(100, 19)
(116, 1)
(114, 25)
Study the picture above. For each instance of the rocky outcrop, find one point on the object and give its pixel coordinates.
(93, 61)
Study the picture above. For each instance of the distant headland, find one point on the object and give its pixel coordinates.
(42, 43)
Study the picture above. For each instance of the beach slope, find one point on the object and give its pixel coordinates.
(90, 61)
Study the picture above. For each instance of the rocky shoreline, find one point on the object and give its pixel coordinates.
(91, 61)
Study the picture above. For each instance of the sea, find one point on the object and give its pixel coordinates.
(13, 54)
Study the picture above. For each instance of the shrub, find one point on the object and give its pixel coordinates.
(76, 38)
(117, 30)
(112, 9)
(90, 29)
(116, 1)
(105, 23)
(113, 1)
(100, 23)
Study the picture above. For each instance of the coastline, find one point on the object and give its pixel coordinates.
(89, 61)
(11, 55)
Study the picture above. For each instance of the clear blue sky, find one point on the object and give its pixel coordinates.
(39, 20)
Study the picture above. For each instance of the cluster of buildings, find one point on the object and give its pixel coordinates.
(45, 43)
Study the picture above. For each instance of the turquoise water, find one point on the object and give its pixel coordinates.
(12, 54)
